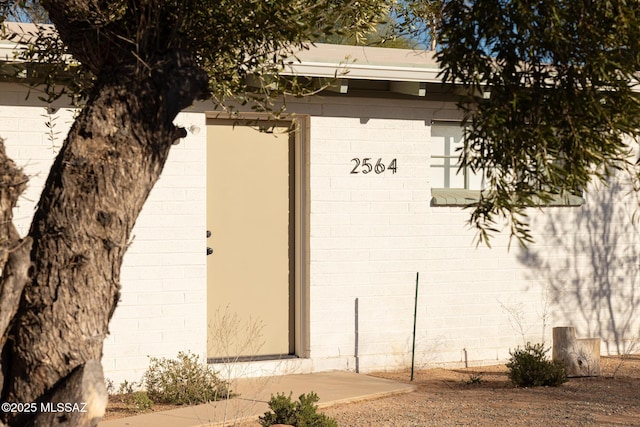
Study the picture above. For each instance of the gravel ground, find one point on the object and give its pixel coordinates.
(450, 398)
(446, 397)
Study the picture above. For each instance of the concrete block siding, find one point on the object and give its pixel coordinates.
(28, 140)
(364, 244)
(371, 233)
(369, 236)
(163, 306)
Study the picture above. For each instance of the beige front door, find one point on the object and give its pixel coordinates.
(250, 217)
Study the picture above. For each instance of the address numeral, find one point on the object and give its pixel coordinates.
(364, 166)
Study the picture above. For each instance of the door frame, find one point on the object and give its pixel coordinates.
(300, 125)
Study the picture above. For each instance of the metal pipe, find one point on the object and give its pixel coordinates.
(357, 337)
(415, 315)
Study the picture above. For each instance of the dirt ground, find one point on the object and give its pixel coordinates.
(484, 396)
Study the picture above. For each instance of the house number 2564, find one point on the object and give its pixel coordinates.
(365, 165)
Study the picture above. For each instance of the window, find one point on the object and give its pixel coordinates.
(452, 186)
(447, 139)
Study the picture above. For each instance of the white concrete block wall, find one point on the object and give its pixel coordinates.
(368, 231)
(591, 265)
(163, 304)
(476, 306)
(370, 234)
(28, 140)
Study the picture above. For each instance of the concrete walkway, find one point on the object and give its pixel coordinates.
(331, 387)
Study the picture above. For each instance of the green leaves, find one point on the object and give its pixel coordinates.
(529, 367)
(22, 11)
(235, 39)
(184, 381)
(301, 413)
(230, 39)
(561, 108)
(560, 74)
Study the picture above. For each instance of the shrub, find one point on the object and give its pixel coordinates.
(137, 401)
(529, 367)
(183, 381)
(126, 387)
(475, 379)
(302, 413)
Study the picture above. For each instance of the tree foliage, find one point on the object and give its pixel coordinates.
(562, 104)
(23, 11)
(417, 20)
(560, 74)
(241, 45)
(407, 24)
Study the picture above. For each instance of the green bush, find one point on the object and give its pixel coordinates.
(135, 401)
(529, 367)
(183, 381)
(138, 401)
(302, 413)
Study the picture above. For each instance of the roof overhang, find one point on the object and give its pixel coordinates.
(23, 34)
(335, 68)
(11, 66)
(365, 63)
(347, 69)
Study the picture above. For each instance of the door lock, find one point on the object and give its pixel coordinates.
(209, 250)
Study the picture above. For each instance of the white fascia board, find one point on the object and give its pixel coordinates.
(362, 72)
(8, 50)
(25, 33)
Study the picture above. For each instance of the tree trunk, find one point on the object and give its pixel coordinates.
(111, 159)
(14, 252)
